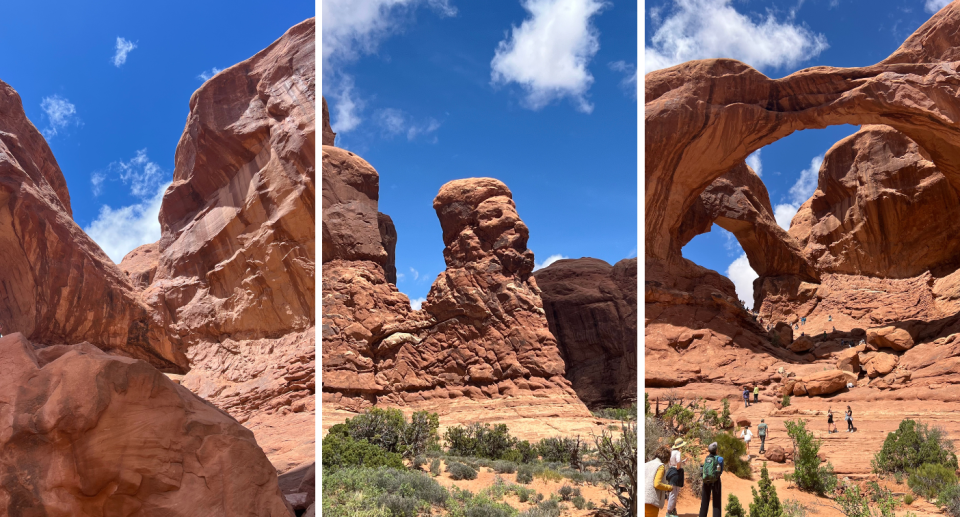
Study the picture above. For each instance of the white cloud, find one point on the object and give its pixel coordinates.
(140, 173)
(60, 114)
(549, 52)
(346, 106)
(701, 29)
(96, 182)
(206, 75)
(415, 273)
(742, 276)
(933, 6)
(629, 81)
(416, 303)
(754, 162)
(550, 260)
(395, 122)
(120, 231)
(123, 48)
(351, 28)
(800, 192)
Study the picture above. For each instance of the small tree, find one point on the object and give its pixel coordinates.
(733, 449)
(855, 503)
(734, 509)
(786, 401)
(765, 503)
(725, 422)
(618, 459)
(929, 479)
(912, 445)
(808, 474)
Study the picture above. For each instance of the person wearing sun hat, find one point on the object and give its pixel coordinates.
(675, 476)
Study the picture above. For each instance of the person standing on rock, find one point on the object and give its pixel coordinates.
(746, 397)
(756, 393)
(803, 320)
(675, 476)
(656, 490)
(762, 433)
(849, 417)
(830, 422)
(829, 317)
(711, 472)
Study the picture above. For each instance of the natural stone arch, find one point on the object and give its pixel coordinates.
(704, 117)
(739, 203)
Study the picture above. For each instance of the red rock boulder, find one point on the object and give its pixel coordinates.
(890, 337)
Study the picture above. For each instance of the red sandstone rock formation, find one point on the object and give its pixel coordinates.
(140, 265)
(481, 336)
(591, 308)
(56, 284)
(89, 433)
(235, 278)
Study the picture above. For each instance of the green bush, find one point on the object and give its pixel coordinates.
(488, 509)
(733, 450)
(525, 475)
(619, 413)
(460, 471)
(912, 445)
(765, 503)
(786, 401)
(388, 429)
(808, 474)
(562, 450)
(855, 503)
(724, 421)
(566, 492)
(734, 508)
(343, 451)
(656, 434)
(908, 499)
(793, 508)
(435, 467)
(949, 500)
(380, 492)
(479, 440)
(579, 502)
(930, 479)
(522, 452)
(400, 505)
(504, 467)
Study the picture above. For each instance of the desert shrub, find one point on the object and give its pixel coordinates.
(365, 491)
(724, 421)
(930, 479)
(733, 450)
(898, 477)
(618, 461)
(907, 499)
(435, 467)
(793, 508)
(341, 451)
(566, 492)
(949, 500)
(618, 413)
(522, 452)
(785, 401)
(400, 505)
(856, 503)
(646, 404)
(694, 476)
(765, 502)
(579, 502)
(525, 475)
(562, 450)
(548, 475)
(679, 417)
(734, 508)
(488, 509)
(460, 471)
(656, 435)
(912, 445)
(479, 440)
(388, 428)
(504, 467)
(418, 462)
(808, 474)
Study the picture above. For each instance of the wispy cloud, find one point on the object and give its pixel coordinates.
(800, 192)
(207, 74)
(701, 29)
(119, 231)
(754, 162)
(124, 47)
(394, 122)
(549, 260)
(933, 6)
(417, 303)
(345, 103)
(96, 182)
(60, 114)
(629, 82)
(548, 54)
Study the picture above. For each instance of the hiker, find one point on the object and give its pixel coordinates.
(830, 422)
(675, 476)
(834, 329)
(762, 433)
(803, 320)
(656, 490)
(747, 435)
(850, 427)
(829, 317)
(824, 334)
(756, 393)
(746, 397)
(711, 472)
(796, 327)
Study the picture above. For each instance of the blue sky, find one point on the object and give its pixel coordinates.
(540, 94)
(778, 38)
(109, 84)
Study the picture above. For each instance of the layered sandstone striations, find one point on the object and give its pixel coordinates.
(89, 433)
(591, 308)
(481, 338)
(57, 285)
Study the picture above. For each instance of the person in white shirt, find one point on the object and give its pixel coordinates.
(747, 435)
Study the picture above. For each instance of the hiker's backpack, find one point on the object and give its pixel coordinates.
(711, 471)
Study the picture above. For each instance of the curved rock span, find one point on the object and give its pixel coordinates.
(591, 307)
(865, 283)
(90, 433)
(481, 339)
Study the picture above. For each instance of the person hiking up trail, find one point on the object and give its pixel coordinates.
(756, 393)
(711, 472)
(762, 433)
(747, 435)
(675, 476)
(746, 397)
(655, 493)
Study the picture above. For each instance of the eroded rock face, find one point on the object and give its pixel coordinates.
(591, 308)
(57, 285)
(235, 276)
(89, 433)
(140, 265)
